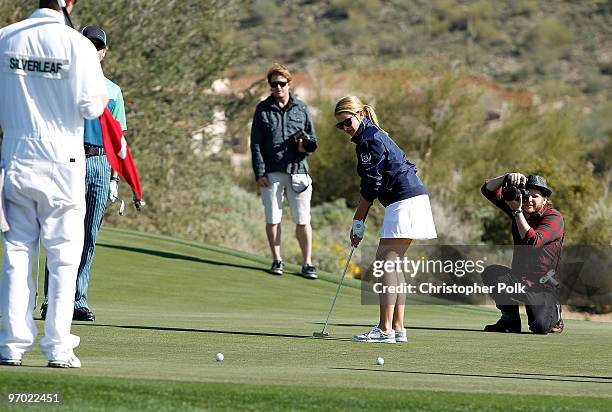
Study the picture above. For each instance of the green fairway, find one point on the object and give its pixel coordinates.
(165, 307)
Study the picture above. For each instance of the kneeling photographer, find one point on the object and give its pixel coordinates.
(537, 232)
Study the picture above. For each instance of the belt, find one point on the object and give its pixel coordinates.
(93, 151)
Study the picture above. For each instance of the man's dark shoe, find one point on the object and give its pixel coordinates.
(510, 326)
(309, 272)
(558, 328)
(43, 312)
(277, 268)
(83, 314)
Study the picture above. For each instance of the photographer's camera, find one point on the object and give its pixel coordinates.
(513, 193)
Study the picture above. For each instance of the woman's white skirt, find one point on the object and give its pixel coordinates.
(409, 219)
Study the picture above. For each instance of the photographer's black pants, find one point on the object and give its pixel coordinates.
(541, 304)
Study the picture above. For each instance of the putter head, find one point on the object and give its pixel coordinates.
(320, 334)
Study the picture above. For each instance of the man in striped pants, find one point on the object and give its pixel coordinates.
(101, 183)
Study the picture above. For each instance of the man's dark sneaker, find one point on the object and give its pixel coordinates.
(511, 326)
(309, 272)
(277, 268)
(43, 312)
(83, 314)
(558, 328)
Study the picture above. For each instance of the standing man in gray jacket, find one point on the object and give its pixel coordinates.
(282, 136)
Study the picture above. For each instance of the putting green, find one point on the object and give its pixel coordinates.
(164, 307)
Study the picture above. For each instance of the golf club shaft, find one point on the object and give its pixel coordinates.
(37, 273)
(62, 4)
(338, 289)
(348, 261)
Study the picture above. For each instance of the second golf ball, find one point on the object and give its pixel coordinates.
(219, 357)
(380, 361)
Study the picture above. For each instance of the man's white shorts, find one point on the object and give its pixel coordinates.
(273, 196)
(409, 219)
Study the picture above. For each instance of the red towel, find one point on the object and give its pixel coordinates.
(118, 153)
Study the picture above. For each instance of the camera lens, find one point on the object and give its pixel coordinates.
(510, 193)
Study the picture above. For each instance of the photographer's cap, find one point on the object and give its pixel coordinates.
(539, 183)
(95, 33)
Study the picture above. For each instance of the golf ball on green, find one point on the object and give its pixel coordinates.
(219, 357)
(380, 361)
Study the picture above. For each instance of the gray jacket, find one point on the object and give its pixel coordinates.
(273, 132)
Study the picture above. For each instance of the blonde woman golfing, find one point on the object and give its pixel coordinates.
(388, 176)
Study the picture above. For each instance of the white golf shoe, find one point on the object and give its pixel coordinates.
(10, 359)
(65, 360)
(401, 336)
(375, 335)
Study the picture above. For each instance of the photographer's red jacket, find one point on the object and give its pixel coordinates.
(536, 254)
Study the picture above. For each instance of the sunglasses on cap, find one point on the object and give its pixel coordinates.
(345, 123)
(276, 84)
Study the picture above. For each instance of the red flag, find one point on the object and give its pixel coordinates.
(117, 152)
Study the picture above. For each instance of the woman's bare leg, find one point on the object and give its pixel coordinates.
(392, 304)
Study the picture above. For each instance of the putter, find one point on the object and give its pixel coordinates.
(37, 273)
(324, 333)
(62, 4)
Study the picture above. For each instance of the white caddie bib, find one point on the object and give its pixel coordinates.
(49, 68)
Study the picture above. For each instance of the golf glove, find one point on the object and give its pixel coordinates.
(358, 229)
(113, 193)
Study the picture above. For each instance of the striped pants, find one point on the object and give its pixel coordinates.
(97, 187)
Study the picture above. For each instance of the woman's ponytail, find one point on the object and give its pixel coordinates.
(368, 111)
